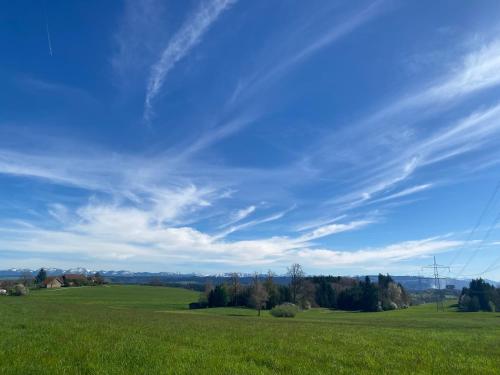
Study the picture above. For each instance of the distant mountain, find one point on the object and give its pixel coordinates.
(412, 283)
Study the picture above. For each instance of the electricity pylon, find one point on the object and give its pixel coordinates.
(437, 283)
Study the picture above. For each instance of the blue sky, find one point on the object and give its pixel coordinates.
(350, 137)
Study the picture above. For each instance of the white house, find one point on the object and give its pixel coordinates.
(3, 292)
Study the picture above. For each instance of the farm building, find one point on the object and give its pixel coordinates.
(53, 282)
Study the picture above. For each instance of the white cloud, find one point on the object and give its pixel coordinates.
(180, 44)
(406, 192)
(480, 70)
(330, 229)
(318, 223)
(142, 27)
(252, 223)
(117, 234)
(239, 215)
(58, 211)
(377, 257)
(388, 147)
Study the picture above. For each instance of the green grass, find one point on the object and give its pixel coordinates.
(148, 330)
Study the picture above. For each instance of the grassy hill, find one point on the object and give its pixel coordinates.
(149, 330)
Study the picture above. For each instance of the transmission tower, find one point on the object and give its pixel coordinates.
(437, 283)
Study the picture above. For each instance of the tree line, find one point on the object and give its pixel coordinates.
(479, 296)
(334, 292)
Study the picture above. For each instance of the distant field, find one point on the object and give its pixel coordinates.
(148, 330)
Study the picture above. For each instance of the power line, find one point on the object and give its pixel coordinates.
(478, 223)
(491, 267)
(481, 244)
(437, 283)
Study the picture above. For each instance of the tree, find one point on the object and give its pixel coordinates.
(99, 280)
(370, 295)
(383, 281)
(272, 291)
(218, 297)
(234, 289)
(351, 298)
(259, 295)
(27, 279)
(480, 296)
(203, 300)
(307, 294)
(42, 275)
(325, 294)
(284, 294)
(296, 275)
(483, 292)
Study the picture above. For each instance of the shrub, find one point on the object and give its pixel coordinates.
(19, 290)
(286, 310)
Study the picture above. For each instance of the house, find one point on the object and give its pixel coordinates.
(53, 282)
(3, 292)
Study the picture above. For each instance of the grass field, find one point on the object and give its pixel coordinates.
(148, 330)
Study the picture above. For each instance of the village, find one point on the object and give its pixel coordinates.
(42, 280)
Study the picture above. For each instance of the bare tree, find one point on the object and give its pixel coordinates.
(259, 295)
(307, 294)
(27, 279)
(296, 275)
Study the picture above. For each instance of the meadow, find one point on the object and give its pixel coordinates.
(149, 330)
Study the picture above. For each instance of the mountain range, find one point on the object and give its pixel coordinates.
(127, 277)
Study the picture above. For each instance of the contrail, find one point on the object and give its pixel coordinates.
(48, 37)
(180, 45)
(47, 27)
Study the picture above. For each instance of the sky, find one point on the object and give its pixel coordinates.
(216, 136)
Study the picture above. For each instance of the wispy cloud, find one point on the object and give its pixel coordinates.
(330, 229)
(269, 71)
(180, 44)
(269, 74)
(252, 223)
(392, 253)
(318, 223)
(140, 32)
(406, 192)
(239, 215)
(388, 147)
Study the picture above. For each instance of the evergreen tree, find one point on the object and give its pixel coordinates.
(325, 294)
(384, 281)
(42, 275)
(370, 295)
(218, 297)
(480, 296)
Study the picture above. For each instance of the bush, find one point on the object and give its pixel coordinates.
(19, 290)
(286, 310)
